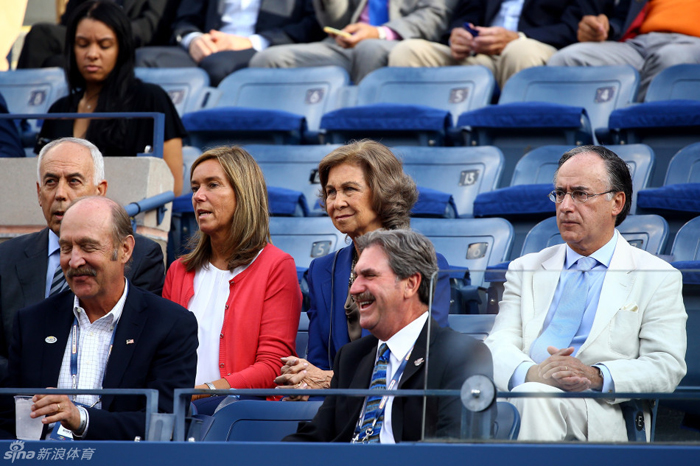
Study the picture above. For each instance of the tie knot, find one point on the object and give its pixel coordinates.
(383, 352)
(586, 263)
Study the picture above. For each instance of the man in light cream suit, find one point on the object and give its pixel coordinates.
(629, 333)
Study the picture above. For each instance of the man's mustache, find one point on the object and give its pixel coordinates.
(366, 296)
(84, 270)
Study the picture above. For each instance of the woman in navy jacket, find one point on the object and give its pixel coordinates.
(363, 188)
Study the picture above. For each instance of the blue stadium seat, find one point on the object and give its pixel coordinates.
(686, 245)
(474, 243)
(410, 106)
(669, 118)
(686, 252)
(305, 238)
(293, 167)
(475, 325)
(532, 181)
(550, 105)
(648, 232)
(507, 423)
(10, 143)
(680, 193)
(188, 88)
(259, 421)
(463, 172)
(32, 91)
(189, 155)
(686, 258)
(261, 105)
(302, 335)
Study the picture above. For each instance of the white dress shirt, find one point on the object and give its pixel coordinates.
(93, 350)
(399, 344)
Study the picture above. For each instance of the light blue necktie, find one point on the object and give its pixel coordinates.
(567, 318)
(372, 405)
(378, 12)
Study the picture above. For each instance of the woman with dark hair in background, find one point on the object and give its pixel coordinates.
(100, 74)
(363, 188)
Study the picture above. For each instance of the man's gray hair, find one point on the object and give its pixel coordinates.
(98, 162)
(409, 253)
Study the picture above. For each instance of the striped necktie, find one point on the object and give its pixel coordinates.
(58, 283)
(372, 406)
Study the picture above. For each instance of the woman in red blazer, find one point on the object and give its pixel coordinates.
(243, 290)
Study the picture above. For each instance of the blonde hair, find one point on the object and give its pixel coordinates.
(250, 226)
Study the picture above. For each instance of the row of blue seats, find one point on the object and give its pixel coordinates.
(462, 182)
(538, 106)
(482, 244)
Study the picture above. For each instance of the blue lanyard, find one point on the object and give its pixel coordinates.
(363, 436)
(75, 341)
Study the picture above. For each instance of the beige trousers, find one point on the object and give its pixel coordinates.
(517, 55)
(561, 419)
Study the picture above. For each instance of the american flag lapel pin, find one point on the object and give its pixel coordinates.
(130, 341)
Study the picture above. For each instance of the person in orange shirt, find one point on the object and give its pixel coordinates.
(650, 35)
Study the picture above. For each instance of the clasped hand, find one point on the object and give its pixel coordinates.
(490, 41)
(216, 41)
(300, 373)
(564, 371)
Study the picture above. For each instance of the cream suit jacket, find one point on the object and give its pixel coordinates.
(638, 331)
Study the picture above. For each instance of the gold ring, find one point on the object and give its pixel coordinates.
(58, 407)
(566, 368)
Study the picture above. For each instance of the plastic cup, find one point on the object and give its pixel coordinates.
(26, 427)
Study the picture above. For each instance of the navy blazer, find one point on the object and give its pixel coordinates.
(155, 346)
(23, 262)
(328, 328)
(625, 12)
(553, 22)
(453, 358)
(279, 21)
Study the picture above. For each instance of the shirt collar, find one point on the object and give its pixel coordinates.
(112, 316)
(402, 341)
(53, 242)
(603, 255)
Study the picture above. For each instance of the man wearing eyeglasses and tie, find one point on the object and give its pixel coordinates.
(593, 314)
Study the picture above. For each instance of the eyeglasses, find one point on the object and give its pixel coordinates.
(578, 196)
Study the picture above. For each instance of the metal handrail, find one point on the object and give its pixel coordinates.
(151, 395)
(180, 407)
